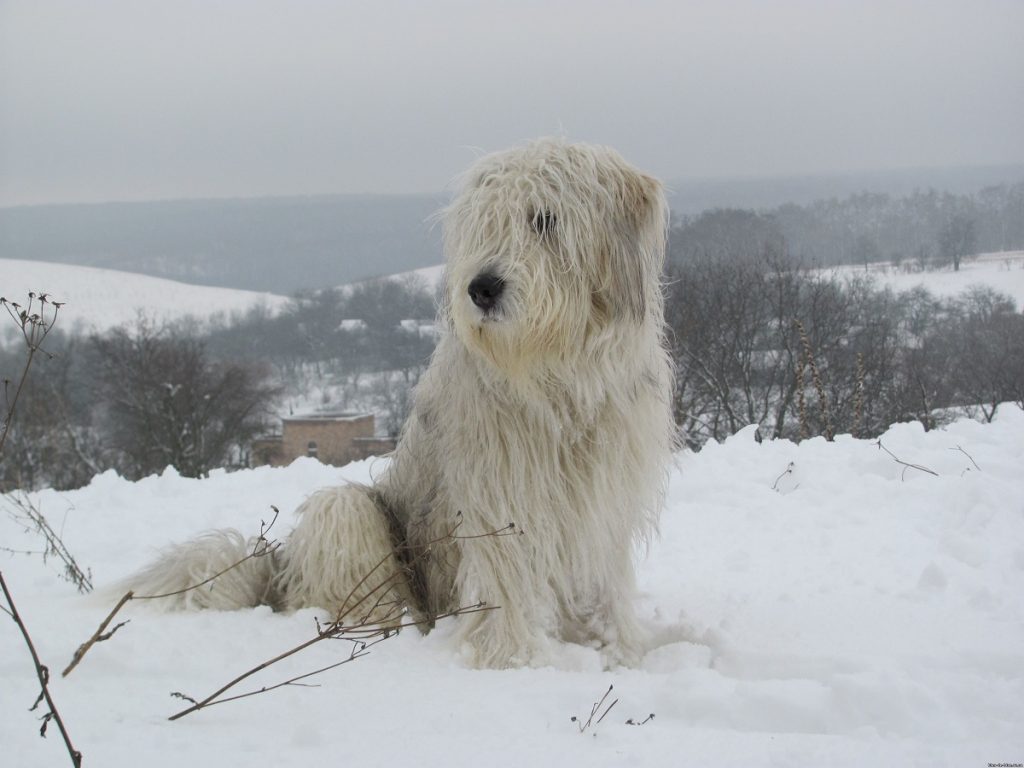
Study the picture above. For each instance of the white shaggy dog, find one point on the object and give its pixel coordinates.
(547, 404)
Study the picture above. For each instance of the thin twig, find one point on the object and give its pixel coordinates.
(43, 673)
(332, 632)
(965, 453)
(594, 710)
(788, 471)
(508, 530)
(261, 548)
(906, 465)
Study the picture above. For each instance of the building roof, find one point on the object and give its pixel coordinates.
(327, 416)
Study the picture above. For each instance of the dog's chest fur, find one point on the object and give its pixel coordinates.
(571, 473)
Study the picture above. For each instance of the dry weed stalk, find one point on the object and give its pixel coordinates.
(25, 512)
(906, 465)
(801, 398)
(819, 386)
(43, 673)
(595, 710)
(787, 471)
(358, 621)
(965, 453)
(35, 327)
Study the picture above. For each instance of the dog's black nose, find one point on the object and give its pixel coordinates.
(485, 290)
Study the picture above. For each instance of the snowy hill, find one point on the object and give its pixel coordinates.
(812, 604)
(1003, 271)
(99, 299)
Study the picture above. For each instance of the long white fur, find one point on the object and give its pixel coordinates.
(551, 411)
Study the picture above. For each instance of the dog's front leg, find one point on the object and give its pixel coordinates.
(515, 629)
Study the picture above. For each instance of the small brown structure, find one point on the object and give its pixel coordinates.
(332, 438)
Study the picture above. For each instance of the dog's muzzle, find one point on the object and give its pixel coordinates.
(485, 291)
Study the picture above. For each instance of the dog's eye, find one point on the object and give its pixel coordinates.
(543, 222)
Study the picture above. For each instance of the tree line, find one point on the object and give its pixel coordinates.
(924, 229)
(757, 338)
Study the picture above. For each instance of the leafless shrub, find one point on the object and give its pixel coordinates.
(27, 513)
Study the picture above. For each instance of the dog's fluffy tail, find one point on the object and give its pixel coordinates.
(243, 579)
(340, 557)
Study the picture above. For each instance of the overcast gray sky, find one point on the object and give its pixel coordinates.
(137, 99)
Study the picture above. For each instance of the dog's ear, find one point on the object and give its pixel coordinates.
(638, 246)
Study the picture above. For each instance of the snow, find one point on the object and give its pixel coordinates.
(811, 604)
(430, 277)
(99, 299)
(1003, 271)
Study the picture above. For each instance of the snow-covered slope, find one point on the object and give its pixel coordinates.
(98, 299)
(1003, 271)
(812, 604)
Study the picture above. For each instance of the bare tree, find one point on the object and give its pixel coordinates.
(988, 348)
(166, 403)
(957, 238)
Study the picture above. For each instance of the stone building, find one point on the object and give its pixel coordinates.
(332, 438)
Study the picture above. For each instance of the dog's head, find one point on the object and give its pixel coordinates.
(549, 247)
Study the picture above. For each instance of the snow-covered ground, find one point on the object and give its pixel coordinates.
(812, 604)
(1003, 271)
(99, 299)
